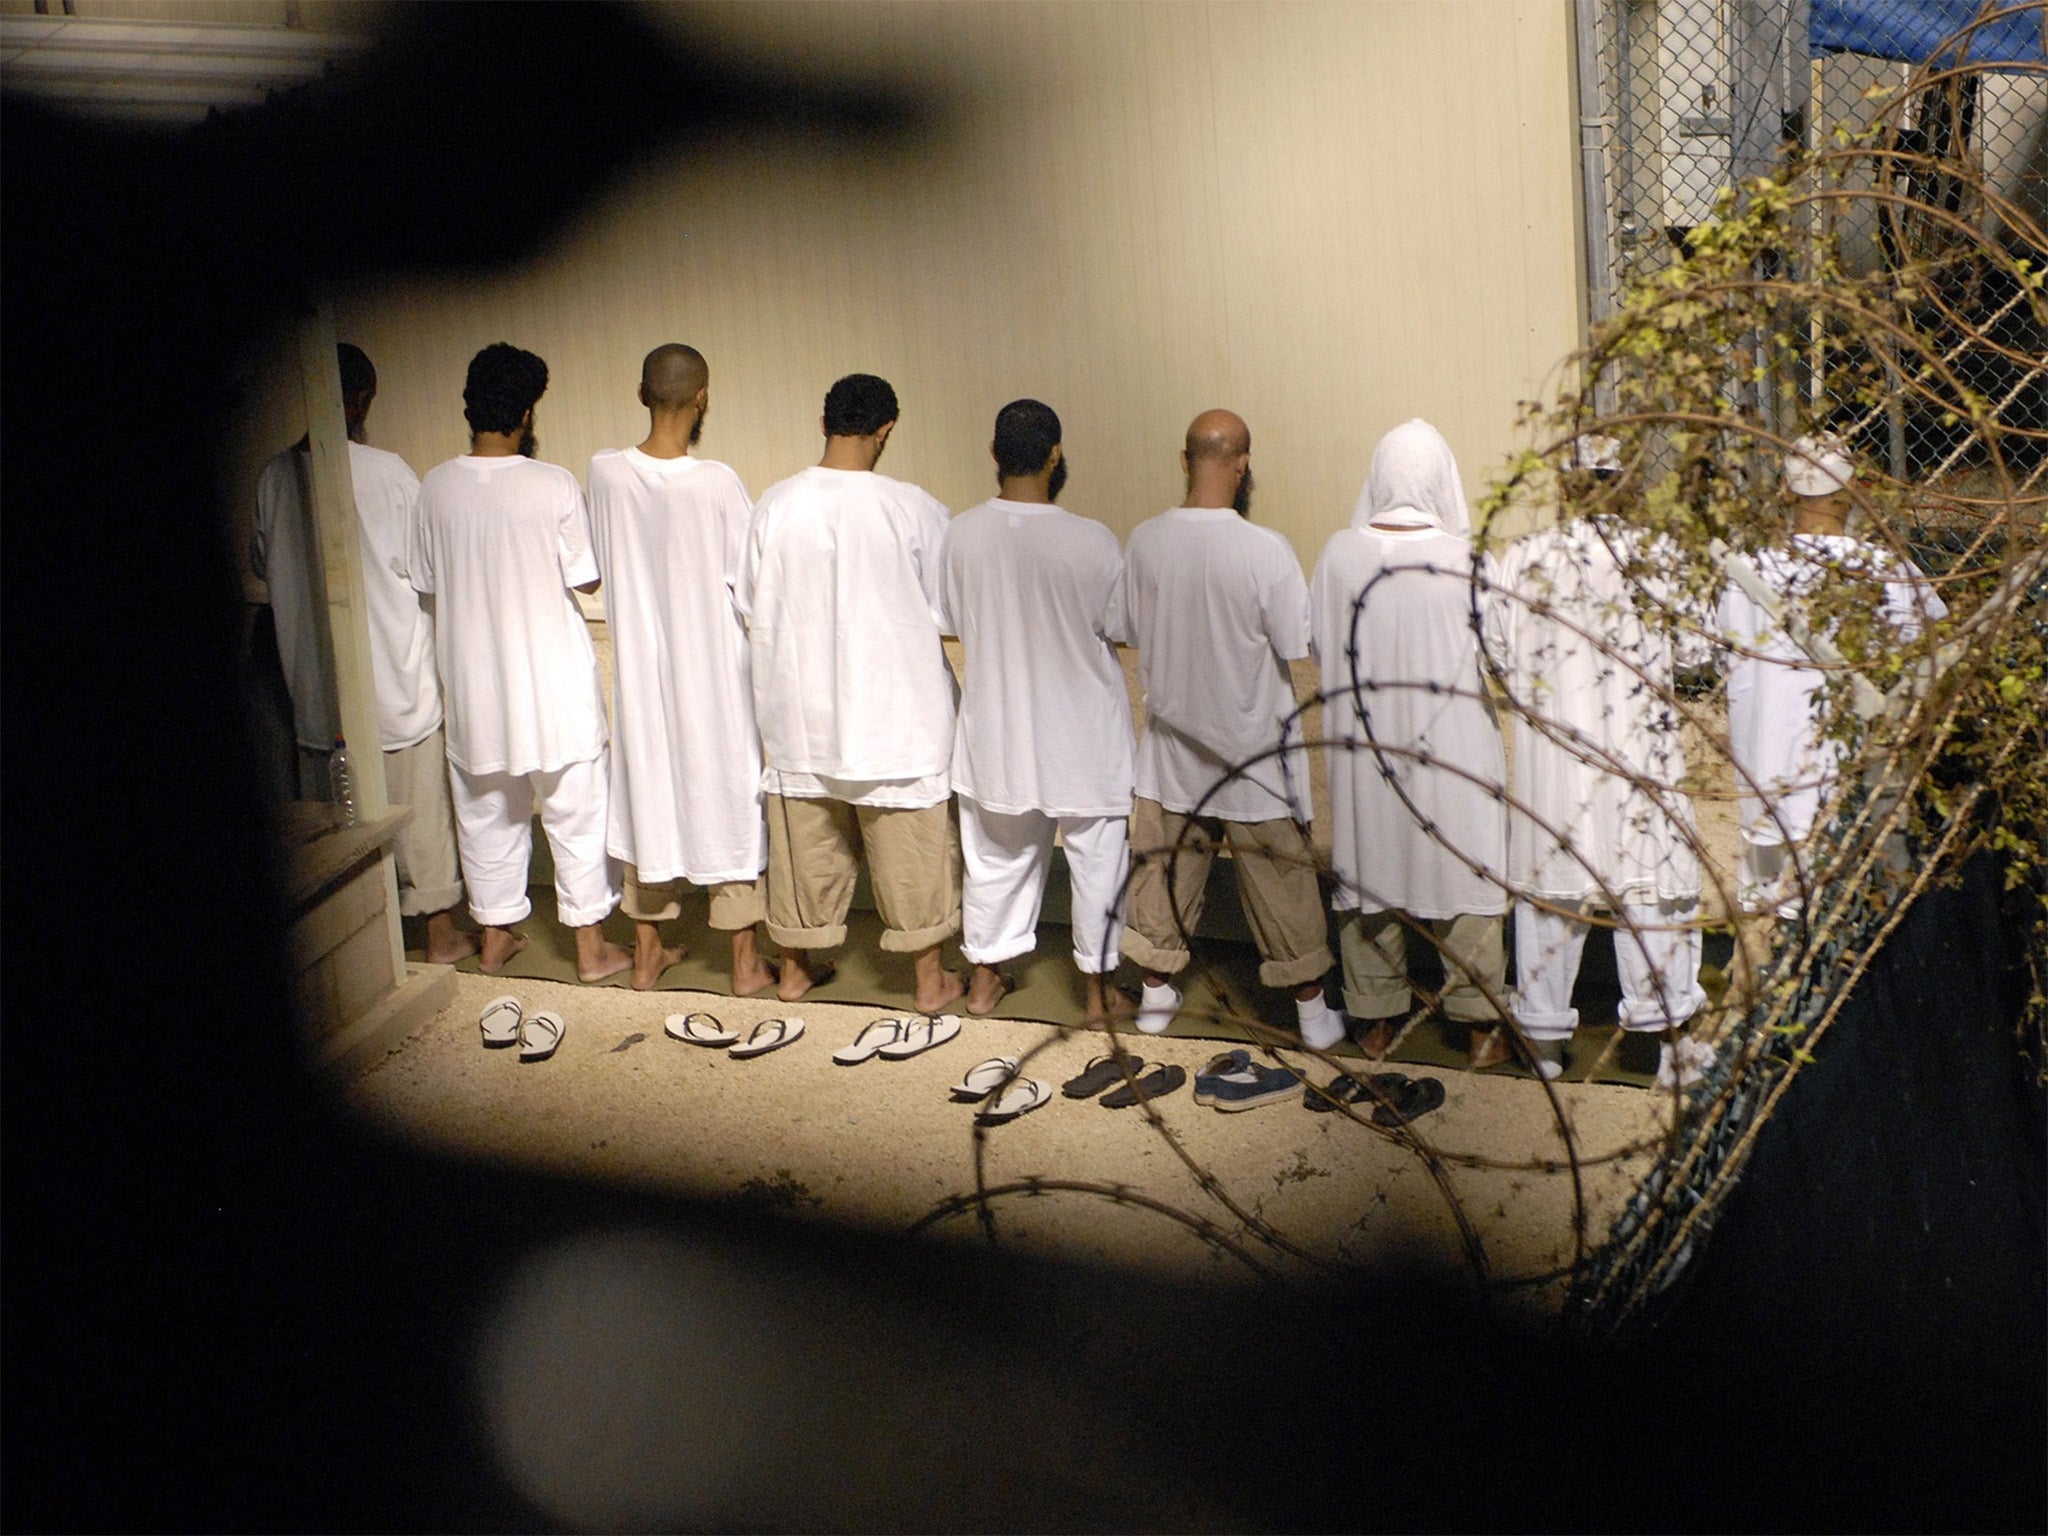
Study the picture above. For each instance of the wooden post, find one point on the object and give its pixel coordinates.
(338, 584)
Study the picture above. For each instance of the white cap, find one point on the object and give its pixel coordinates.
(1593, 451)
(1818, 466)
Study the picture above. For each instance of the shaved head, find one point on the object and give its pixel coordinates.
(1218, 435)
(672, 375)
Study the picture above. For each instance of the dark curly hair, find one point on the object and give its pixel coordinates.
(357, 376)
(1027, 431)
(859, 405)
(503, 385)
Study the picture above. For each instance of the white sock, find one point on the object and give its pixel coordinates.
(1156, 1008)
(1321, 1025)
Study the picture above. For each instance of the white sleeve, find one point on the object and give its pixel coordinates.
(1115, 625)
(572, 539)
(419, 562)
(749, 571)
(1284, 605)
(1500, 606)
(935, 519)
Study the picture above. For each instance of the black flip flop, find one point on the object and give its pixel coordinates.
(1098, 1075)
(1416, 1099)
(1153, 1085)
(1346, 1089)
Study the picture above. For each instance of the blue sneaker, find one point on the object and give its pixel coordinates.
(1233, 1081)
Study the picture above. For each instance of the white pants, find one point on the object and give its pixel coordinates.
(1005, 861)
(494, 830)
(1767, 878)
(1656, 950)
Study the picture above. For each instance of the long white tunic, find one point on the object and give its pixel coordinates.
(1786, 766)
(401, 629)
(686, 758)
(1036, 596)
(840, 586)
(1218, 609)
(1417, 828)
(1586, 652)
(500, 542)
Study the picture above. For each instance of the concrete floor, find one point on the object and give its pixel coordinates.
(883, 1146)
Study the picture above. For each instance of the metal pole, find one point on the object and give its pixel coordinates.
(1598, 222)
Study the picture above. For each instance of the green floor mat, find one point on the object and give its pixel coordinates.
(1222, 989)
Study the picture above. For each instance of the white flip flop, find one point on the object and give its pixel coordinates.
(698, 1029)
(769, 1035)
(539, 1036)
(921, 1034)
(986, 1077)
(1020, 1098)
(500, 1021)
(872, 1038)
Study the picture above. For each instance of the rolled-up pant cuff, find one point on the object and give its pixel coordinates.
(1296, 973)
(829, 936)
(1096, 965)
(413, 902)
(582, 917)
(997, 953)
(1375, 1005)
(502, 917)
(908, 941)
(1141, 951)
(1547, 1026)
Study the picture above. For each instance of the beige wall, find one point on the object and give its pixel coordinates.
(1327, 216)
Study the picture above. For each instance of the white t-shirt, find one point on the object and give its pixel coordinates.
(1785, 767)
(840, 587)
(1218, 608)
(501, 541)
(1418, 827)
(1036, 596)
(686, 759)
(1587, 646)
(401, 628)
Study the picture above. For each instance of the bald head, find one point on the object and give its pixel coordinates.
(1218, 435)
(1218, 461)
(671, 376)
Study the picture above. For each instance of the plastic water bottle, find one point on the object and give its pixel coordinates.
(341, 783)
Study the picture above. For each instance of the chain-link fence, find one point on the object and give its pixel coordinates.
(1681, 98)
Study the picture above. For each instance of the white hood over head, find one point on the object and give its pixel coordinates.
(1414, 483)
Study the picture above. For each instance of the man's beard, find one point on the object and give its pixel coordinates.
(529, 445)
(1242, 501)
(1058, 481)
(696, 431)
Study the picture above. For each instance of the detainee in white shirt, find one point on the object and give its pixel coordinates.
(1419, 831)
(502, 541)
(1786, 764)
(1587, 632)
(669, 530)
(1044, 741)
(285, 547)
(854, 700)
(1218, 609)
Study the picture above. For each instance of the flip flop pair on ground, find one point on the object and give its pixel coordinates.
(708, 1030)
(506, 1022)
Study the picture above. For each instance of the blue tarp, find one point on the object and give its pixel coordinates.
(1912, 30)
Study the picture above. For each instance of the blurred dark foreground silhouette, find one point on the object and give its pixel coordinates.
(229, 1306)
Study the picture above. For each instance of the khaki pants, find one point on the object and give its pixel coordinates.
(1276, 874)
(429, 873)
(1375, 946)
(814, 852)
(736, 904)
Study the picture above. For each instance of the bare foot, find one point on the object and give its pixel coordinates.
(597, 957)
(650, 956)
(799, 976)
(1378, 1039)
(986, 992)
(447, 943)
(1490, 1048)
(932, 996)
(500, 945)
(750, 973)
(1104, 1003)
